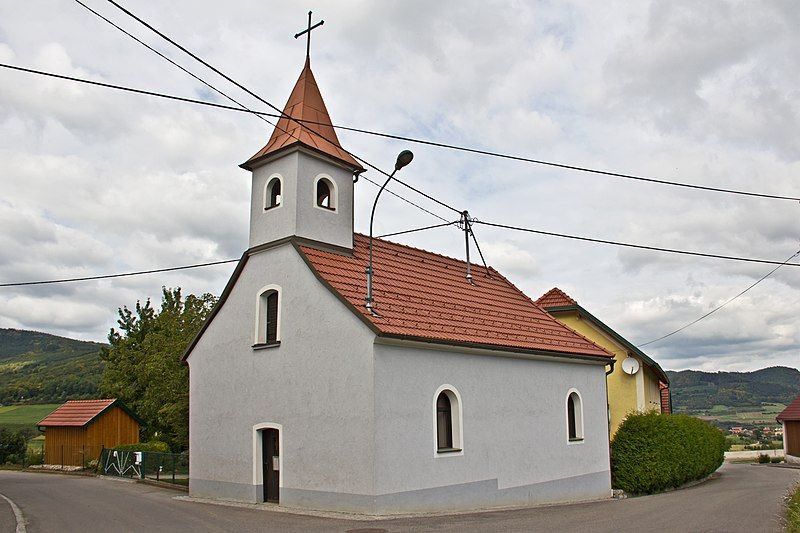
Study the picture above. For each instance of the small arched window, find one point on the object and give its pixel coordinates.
(574, 417)
(326, 194)
(268, 317)
(447, 421)
(272, 194)
(444, 422)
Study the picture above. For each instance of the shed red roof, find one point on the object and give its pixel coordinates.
(76, 412)
(555, 297)
(305, 104)
(792, 411)
(425, 296)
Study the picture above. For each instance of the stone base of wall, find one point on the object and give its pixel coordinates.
(792, 459)
(450, 498)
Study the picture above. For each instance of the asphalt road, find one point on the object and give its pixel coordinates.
(743, 498)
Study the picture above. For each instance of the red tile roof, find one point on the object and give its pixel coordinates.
(305, 103)
(792, 411)
(76, 412)
(555, 297)
(425, 296)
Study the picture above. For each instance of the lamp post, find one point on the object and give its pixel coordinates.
(403, 159)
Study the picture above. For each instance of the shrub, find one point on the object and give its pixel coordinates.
(763, 458)
(12, 446)
(776, 460)
(152, 446)
(34, 457)
(653, 452)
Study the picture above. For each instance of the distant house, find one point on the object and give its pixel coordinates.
(76, 432)
(638, 383)
(790, 419)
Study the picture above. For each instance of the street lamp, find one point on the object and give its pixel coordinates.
(403, 159)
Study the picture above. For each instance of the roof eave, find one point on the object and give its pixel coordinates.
(500, 349)
(255, 162)
(224, 296)
(616, 336)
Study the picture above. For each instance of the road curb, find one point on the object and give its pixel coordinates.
(18, 516)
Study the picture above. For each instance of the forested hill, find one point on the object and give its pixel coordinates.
(41, 368)
(693, 390)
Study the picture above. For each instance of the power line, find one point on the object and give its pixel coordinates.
(415, 230)
(262, 114)
(693, 322)
(191, 101)
(409, 139)
(637, 246)
(241, 107)
(564, 165)
(222, 106)
(259, 98)
(122, 275)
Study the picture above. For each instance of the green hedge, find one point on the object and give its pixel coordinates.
(152, 446)
(652, 452)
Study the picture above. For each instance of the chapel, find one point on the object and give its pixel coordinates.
(447, 395)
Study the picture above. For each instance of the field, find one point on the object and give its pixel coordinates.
(763, 414)
(16, 417)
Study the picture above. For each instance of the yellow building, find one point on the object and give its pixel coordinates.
(637, 383)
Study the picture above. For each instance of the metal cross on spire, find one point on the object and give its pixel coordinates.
(308, 31)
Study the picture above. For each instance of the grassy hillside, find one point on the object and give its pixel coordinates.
(16, 417)
(694, 391)
(41, 368)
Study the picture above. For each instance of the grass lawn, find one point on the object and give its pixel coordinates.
(16, 417)
(793, 511)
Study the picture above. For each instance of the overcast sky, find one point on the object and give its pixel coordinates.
(94, 181)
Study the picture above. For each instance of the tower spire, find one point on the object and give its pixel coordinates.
(307, 32)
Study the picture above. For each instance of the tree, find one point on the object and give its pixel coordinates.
(143, 367)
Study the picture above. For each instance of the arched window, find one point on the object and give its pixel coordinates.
(444, 422)
(574, 417)
(272, 193)
(326, 194)
(268, 317)
(447, 421)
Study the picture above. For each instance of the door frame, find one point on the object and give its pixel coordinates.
(258, 457)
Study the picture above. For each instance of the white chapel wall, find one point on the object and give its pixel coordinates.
(320, 396)
(516, 448)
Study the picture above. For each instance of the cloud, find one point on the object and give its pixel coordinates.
(95, 181)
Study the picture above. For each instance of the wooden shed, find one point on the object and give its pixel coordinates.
(790, 418)
(76, 432)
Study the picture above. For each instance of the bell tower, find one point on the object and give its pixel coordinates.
(302, 179)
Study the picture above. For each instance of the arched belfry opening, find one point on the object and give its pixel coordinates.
(315, 189)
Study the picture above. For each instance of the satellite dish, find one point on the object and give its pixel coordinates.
(630, 366)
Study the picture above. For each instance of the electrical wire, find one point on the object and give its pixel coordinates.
(561, 165)
(262, 114)
(637, 246)
(415, 230)
(420, 141)
(693, 322)
(122, 275)
(259, 98)
(241, 107)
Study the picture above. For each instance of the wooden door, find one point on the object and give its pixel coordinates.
(271, 463)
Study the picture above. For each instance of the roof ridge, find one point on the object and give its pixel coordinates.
(428, 252)
(557, 292)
